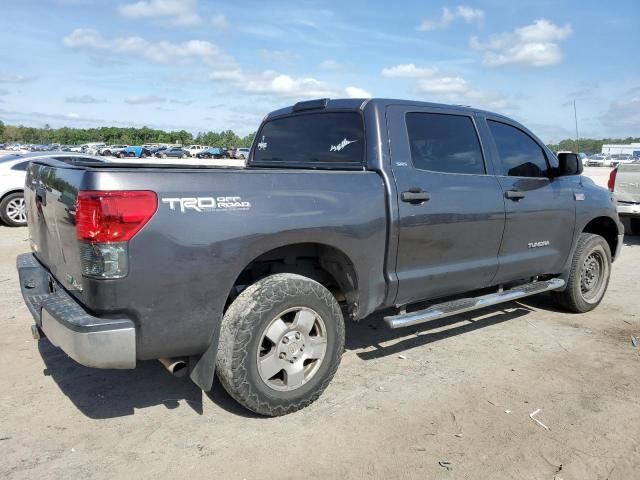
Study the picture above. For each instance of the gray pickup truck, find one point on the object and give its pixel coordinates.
(624, 180)
(345, 208)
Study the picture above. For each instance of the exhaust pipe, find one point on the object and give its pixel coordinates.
(175, 366)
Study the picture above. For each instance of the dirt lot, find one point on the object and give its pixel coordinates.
(448, 400)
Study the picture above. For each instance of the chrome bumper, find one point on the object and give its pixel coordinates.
(629, 209)
(89, 340)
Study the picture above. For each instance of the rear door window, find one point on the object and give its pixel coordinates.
(311, 140)
(444, 143)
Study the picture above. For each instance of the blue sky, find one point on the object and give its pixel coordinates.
(202, 65)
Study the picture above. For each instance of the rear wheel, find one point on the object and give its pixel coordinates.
(13, 211)
(589, 275)
(280, 344)
(635, 226)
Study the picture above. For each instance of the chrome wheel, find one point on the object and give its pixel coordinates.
(292, 348)
(16, 210)
(593, 276)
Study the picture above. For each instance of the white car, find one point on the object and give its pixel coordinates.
(12, 173)
(111, 148)
(95, 149)
(195, 149)
(242, 152)
(13, 169)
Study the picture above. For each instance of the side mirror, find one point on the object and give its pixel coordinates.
(569, 164)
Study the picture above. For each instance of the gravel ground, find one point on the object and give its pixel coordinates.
(449, 400)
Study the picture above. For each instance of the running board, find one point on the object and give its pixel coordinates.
(454, 307)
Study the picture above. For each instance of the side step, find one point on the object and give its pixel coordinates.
(455, 307)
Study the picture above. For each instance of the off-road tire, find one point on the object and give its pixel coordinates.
(4, 212)
(241, 333)
(572, 298)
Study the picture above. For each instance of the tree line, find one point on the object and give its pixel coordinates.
(118, 135)
(589, 144)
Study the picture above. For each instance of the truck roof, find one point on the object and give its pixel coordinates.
(362, 103)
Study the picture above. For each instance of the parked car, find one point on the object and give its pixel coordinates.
(246, 272)
(76, 148)
(13, 169)
(596, 160)
(619, 158)
(242, 152)
(133, 152)
(173, 152)
(214, 152)
(195, 149)
(109, 150)
(624, 181)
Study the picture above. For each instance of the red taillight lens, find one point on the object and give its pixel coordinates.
(113, 216)
(612, 179)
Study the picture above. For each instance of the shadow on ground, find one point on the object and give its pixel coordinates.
(101, 394)
(372, 331)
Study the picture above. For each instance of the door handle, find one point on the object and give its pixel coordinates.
(514, 195)
(415, 196)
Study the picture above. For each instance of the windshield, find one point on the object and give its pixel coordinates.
(327, 139)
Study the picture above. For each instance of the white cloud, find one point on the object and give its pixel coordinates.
(161, 52)
(277, 55)
(14, 78)
(144, 99)
(445, 87)
(83, 99)
(330, 64)
(463, 12)
(408, 70)
(623, 115)
(356, 92)
(219, 21)
(269, 82)
(534, 45)
(181, 13)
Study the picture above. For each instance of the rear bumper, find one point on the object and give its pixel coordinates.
(89, 340)
(629, 209)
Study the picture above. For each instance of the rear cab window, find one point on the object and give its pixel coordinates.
(311, 140)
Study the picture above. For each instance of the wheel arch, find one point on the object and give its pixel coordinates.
(319, 261)
(607, 228)
(9, 192)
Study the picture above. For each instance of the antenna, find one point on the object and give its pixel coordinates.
(575, 116)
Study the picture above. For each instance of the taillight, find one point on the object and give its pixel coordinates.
(612, 179)
(105, 222)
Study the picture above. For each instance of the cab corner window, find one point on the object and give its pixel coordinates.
(444, 143)
(520, 155)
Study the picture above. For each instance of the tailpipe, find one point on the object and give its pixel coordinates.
(175, 366)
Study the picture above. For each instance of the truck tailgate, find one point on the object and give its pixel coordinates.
(627, 186)
(50, 197)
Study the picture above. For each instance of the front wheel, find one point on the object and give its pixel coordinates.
(280, 344)
(634, 223)
(589, 275)
(13, 211)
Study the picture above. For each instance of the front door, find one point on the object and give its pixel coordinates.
(540, 209)
(451, 211)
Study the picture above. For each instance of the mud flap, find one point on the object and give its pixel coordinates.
(203, 367)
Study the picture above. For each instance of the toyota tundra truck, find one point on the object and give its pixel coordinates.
(344, 208)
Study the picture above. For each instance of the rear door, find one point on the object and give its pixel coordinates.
(451, 212)
(540, 210)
